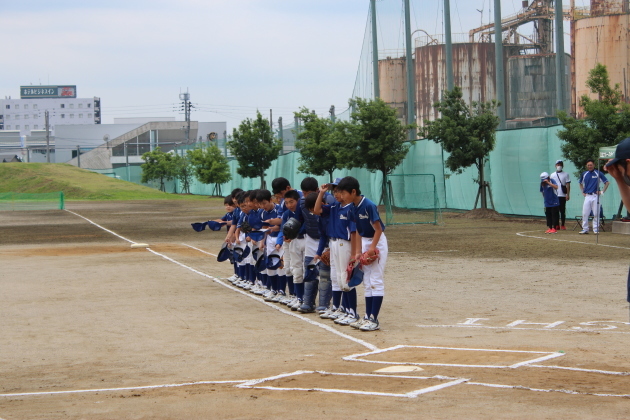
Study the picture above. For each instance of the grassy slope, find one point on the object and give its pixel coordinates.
(76, 183)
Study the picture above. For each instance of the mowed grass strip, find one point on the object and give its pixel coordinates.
(76, 183)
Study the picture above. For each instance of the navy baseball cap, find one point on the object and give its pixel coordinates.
(357, 276)
(256, 235)
(224, 253)
(337, 181)
(558, 161)
(274, 261)
(622, 152)
(215, 225)
(261, 263)
(241, 253)
(199, 226)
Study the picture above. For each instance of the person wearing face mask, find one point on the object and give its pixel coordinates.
(619, 168)
(563, 181)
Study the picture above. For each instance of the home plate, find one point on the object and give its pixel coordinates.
(137, 245)
(398, 369)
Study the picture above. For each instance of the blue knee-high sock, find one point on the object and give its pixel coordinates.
(251, 270)
(336, 300)
(352, 301)
(282, 284)
(265, 280)
(344, 300)
(368, 306)
(290, 285)
(241, 271)
(377, 301)
(236, 269)
(273, 282)
(299, 290)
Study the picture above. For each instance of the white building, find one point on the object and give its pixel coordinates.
(61, 102)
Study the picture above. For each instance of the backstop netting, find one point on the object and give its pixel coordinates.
(21, 201)
(413, 199)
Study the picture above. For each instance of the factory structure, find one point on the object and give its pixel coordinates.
(598, 34)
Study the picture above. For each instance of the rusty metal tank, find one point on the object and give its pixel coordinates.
(531, 87)
(603, 39)
(392, 78)
(473, 70)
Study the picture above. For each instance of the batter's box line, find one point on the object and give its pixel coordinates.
(573, 329)
(547, 356)
(563, 391)
(522, 234)
(413, 394)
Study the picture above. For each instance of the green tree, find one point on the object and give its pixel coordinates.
(183, 171)
(157, 165)
(467, 133)
(316, 144)
(373, 139)
(607, 121)
(210, 166)
(254, 147)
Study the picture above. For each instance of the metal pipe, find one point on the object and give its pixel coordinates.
(498, 52)
(560, 102)
(377, 88)
(411, 97)
(448, 45)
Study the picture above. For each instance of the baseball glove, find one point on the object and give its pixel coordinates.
(369, 257)
(245, 227)
(325, 258)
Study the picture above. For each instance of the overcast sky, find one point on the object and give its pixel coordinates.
(233, 56)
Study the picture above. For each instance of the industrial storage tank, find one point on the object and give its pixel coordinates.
(603, 37)
(473, 70)
(531, 87)
(392, 79)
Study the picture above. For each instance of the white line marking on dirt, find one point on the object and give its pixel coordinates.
(603, 372)
(564, 391)
(573, 330)
(412, 394)
(130, 388)
(547, 355)
(99, 226)
(422, 252)
(565, 240)
(200, 250)
(317, 324)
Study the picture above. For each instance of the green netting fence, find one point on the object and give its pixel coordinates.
(11, 201)
(413, 199)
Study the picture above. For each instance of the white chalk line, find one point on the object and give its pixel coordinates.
(564, 391)
(317, 324)
(200, 250)
(603, 372)
(574, 329)
(277, 308)
(547, 356)
(413, 394)
(101, 227)
(423, 252)
(566, 240)
(130, 388)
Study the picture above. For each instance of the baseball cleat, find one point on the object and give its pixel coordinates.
(326, 314)
(346, 320)
(563, 228)
(370, 325)
(357, 324)
(584, 232)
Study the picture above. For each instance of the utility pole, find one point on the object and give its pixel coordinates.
(78, 156)
(449, 45)
(377, 88)
(47, 137)
(280, 129)
(271, 120)
(185, 98)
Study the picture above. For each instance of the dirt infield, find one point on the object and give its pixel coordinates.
(502, 320)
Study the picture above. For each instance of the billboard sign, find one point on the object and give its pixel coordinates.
(30, 92)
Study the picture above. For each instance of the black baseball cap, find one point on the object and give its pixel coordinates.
(622, 152)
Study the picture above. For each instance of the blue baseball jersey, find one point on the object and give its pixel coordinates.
(550, 196)
(272, 214)
(323, 223)
(339, 226)
(591, 179)
(363, 215)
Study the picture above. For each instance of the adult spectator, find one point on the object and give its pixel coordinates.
(589, 184)
(563, 181)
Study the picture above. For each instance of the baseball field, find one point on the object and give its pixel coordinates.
(486, 318)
